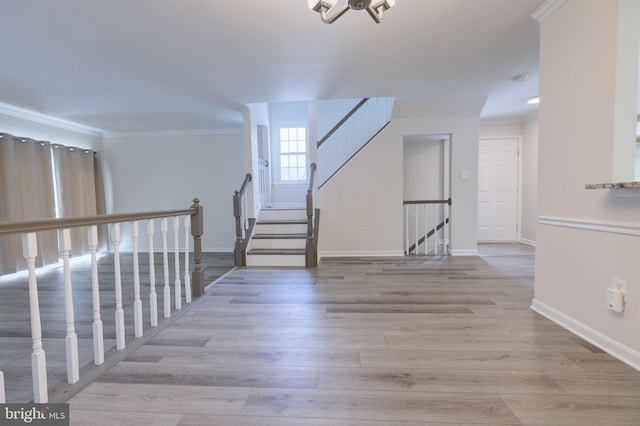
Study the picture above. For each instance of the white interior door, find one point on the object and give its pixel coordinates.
(498, 190)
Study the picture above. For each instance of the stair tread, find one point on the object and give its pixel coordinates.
(280, 236)
(291, 251)
(282, 221)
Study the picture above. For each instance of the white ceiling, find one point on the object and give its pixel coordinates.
(173, 65)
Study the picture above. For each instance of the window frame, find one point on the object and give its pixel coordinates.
(278, 154)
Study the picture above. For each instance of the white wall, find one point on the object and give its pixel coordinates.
(584, 237)
(166, 172)
(369, 190)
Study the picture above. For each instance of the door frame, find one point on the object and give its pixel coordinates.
(519, 183)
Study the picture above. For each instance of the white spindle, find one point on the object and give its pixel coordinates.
(187, 277)
(177, 283)
(426, 228)
(98, 342)
(119, 315)
(3, 399)
(165, 259)
(71, 339)
(153, 297)
(137, 303)
(415, 212)
(38, 358)
(435, 231)
(406, 226)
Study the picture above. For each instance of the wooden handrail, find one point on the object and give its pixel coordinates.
(342, 121)
(243, 188)
(22, 226)
(447, 201)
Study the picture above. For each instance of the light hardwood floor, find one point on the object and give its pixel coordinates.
(367, 341)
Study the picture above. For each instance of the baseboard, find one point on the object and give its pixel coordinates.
(464, 252)
(372, 253)
(172, 250)
(527, 242)
(610, 346)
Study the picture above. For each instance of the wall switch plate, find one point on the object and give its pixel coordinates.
(365, 230)
(465, 174)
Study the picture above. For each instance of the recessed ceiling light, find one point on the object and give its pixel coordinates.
(534, 100)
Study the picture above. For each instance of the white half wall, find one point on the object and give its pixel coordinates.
(167, 172)
(583, 237)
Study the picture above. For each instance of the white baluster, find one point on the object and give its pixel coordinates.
(426, 228)
(137, 303)
(187, 276)
(119, 315)
(153, 297)
(165, 260)
(38, 358)
(406, 226)
(3, 399)
(98, 342)
(178, 283)
(71, 339)
(415, 212)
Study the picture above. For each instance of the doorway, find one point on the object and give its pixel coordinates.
(498, 165)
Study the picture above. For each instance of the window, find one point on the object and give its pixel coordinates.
(293, 154)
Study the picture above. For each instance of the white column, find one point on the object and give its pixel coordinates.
(119, 315)
(71, 339)
(137, 303)
(98, 342)
(38, 358)
(187, 276)
(165, 261)
(177, 283)
(153, 297)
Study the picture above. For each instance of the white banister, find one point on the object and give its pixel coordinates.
(38, 358)
(187, 277)
(153, 297)
(165, 260)
(137, 302)
(178, 282)
(71, 339)
(119, 314)
(98, 341)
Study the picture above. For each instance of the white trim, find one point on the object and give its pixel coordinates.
(608, 227)
(607, 344)
(546, 10)
(371, 253)
(464, 252)
(168, 133)
(37, 117)
(527, 242)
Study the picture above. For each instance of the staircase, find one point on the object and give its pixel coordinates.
(279, 238)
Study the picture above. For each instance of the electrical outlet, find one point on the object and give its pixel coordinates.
(365, 230)
(620, 285)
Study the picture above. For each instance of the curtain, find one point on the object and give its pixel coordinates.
(27, 193)
(40, 180)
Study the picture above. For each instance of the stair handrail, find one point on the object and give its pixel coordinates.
(311, 249)
(428, 233)
(244, 225)
(342, 121)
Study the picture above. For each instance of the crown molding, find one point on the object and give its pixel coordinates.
(546, 10)
(170, 133)
(37, 117)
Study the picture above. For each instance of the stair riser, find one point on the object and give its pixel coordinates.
(278, 243)
(275, 260)
(288, 228)
(275, 214)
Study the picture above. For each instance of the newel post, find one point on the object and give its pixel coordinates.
(237, 213)
(197, 229)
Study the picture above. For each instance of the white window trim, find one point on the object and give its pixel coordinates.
(275, 137)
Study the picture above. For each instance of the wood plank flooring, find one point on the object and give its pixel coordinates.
(370, 341)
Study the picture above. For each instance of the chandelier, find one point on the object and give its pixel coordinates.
(330, 10)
